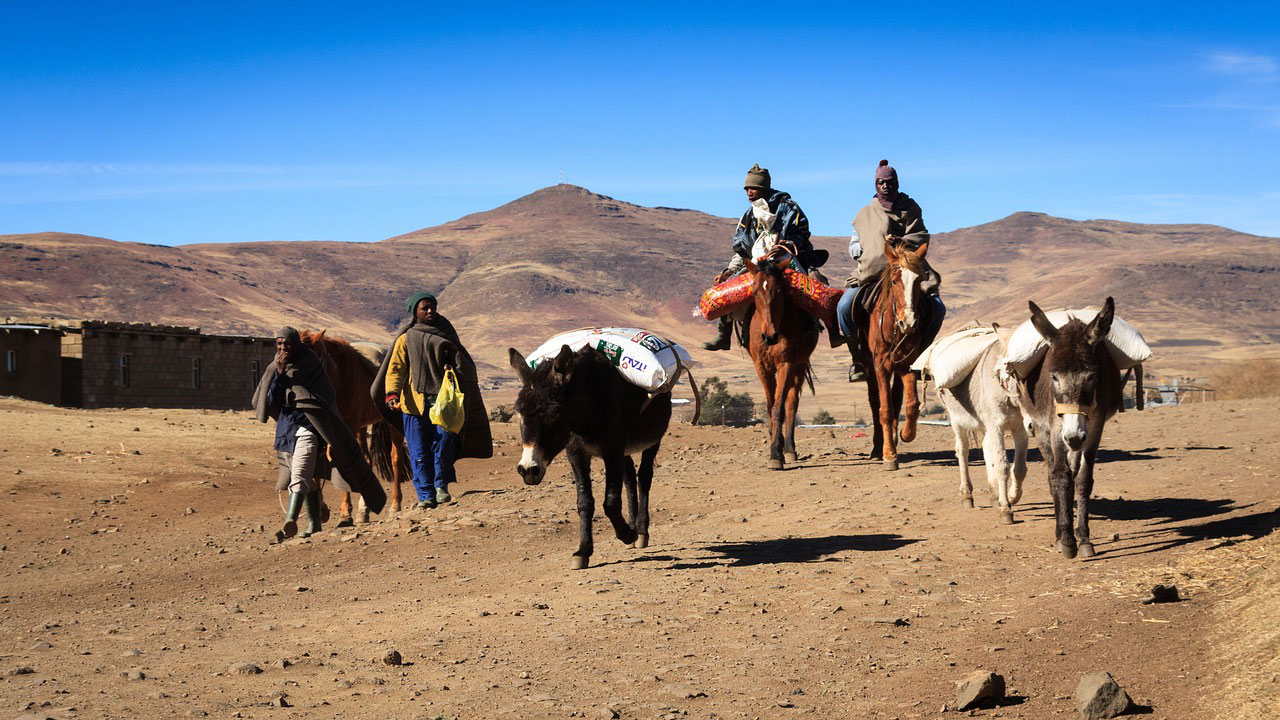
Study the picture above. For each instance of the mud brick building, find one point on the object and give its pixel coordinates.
(95, 364)
(110, 364)
(32, 362)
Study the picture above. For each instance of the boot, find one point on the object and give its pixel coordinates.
(834, 336)
(443, 496)
(857, 373)
(290, 517)
(313, 514)
(724, 333)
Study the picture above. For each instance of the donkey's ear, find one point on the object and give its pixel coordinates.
(563, 363)
(521, 367)
(1041, 323)
(320, 335)
(1101, 325)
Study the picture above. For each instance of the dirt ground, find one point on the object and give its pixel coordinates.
(134, 547)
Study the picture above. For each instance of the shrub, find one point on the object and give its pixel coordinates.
(719, 407)
(822, 417)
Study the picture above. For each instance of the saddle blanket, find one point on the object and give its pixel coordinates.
(644, 359)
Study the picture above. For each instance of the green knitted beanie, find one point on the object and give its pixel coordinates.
(419, 297)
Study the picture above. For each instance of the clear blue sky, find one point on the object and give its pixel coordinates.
(173, 123)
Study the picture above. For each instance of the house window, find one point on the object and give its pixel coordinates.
(11, 361)
(126, 374)
(195, 373)
(255, 372)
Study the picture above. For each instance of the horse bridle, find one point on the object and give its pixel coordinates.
(1061, 409)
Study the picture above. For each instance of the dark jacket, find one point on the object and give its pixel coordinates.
(310, 391)
(789, 225)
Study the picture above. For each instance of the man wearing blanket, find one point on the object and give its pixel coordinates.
(773, 219)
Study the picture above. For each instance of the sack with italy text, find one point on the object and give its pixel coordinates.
(448, 411)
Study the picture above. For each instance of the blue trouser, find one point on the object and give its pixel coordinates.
(844, 315)
(432, 450)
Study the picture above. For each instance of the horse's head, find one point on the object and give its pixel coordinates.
(544, 429)
(767, 280)
(1074, 363)
(905, 274)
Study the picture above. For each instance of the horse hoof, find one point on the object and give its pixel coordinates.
(790, 457)
(1006, 517)
(346, 522)
(364, 517)
(395, 507)
(891, 464)
(967, 501)
(775, 464)
(1067, 551)
(642, 541)
(1087, 551)
(578, 563)
(907, 436)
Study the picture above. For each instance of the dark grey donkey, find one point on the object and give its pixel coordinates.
(1069, 398)
(581, 404)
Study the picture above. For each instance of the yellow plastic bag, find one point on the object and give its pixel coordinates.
(448, 412)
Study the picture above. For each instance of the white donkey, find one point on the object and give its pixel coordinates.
(979, 403)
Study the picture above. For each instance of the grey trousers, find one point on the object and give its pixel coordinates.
(302, 466)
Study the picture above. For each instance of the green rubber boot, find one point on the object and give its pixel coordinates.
(313, 513)
(290, 518)
(443, 496)
(723, 334)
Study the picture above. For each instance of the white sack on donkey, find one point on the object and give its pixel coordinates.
(950, 359)
(644, 359)
(1027, 346)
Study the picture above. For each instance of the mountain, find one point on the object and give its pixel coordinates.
(564, 257)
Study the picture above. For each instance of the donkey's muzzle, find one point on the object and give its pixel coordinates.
(531, 475)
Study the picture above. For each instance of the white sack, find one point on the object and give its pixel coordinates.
(950, 359)
(1027, 346)
(644, 359)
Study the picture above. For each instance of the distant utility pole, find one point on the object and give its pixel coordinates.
(561, 176)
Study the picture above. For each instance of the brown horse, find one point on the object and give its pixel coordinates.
(893, 330)
(352, 371)
(780, 344)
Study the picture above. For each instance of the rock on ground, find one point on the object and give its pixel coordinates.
(978, 688)
(1099, 696)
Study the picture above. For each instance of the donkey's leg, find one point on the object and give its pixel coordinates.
(888, 417)
(1084, 491)
(910, 406)
(792, 403)
(615, 470)
(629, 486)
(997, 470)
(344, 514)
(1019, 432)
(769, 381)
(645, 481)
(580, 461)
(962, 458)
(1055, 456)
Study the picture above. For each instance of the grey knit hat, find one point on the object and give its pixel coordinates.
(289, 333)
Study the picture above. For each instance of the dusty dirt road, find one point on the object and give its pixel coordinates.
(137, 570)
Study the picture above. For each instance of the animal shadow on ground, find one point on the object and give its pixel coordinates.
(805, 549)
(948, 457)
(1165, 511)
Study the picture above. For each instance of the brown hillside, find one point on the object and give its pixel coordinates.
(565, 257)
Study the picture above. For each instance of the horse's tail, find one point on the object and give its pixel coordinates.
(383, 437)
(808, 377)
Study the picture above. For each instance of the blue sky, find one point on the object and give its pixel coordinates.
(162, 123)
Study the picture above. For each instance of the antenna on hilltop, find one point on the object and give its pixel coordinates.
(561, 176)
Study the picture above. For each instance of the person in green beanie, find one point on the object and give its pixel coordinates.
(773, 219)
